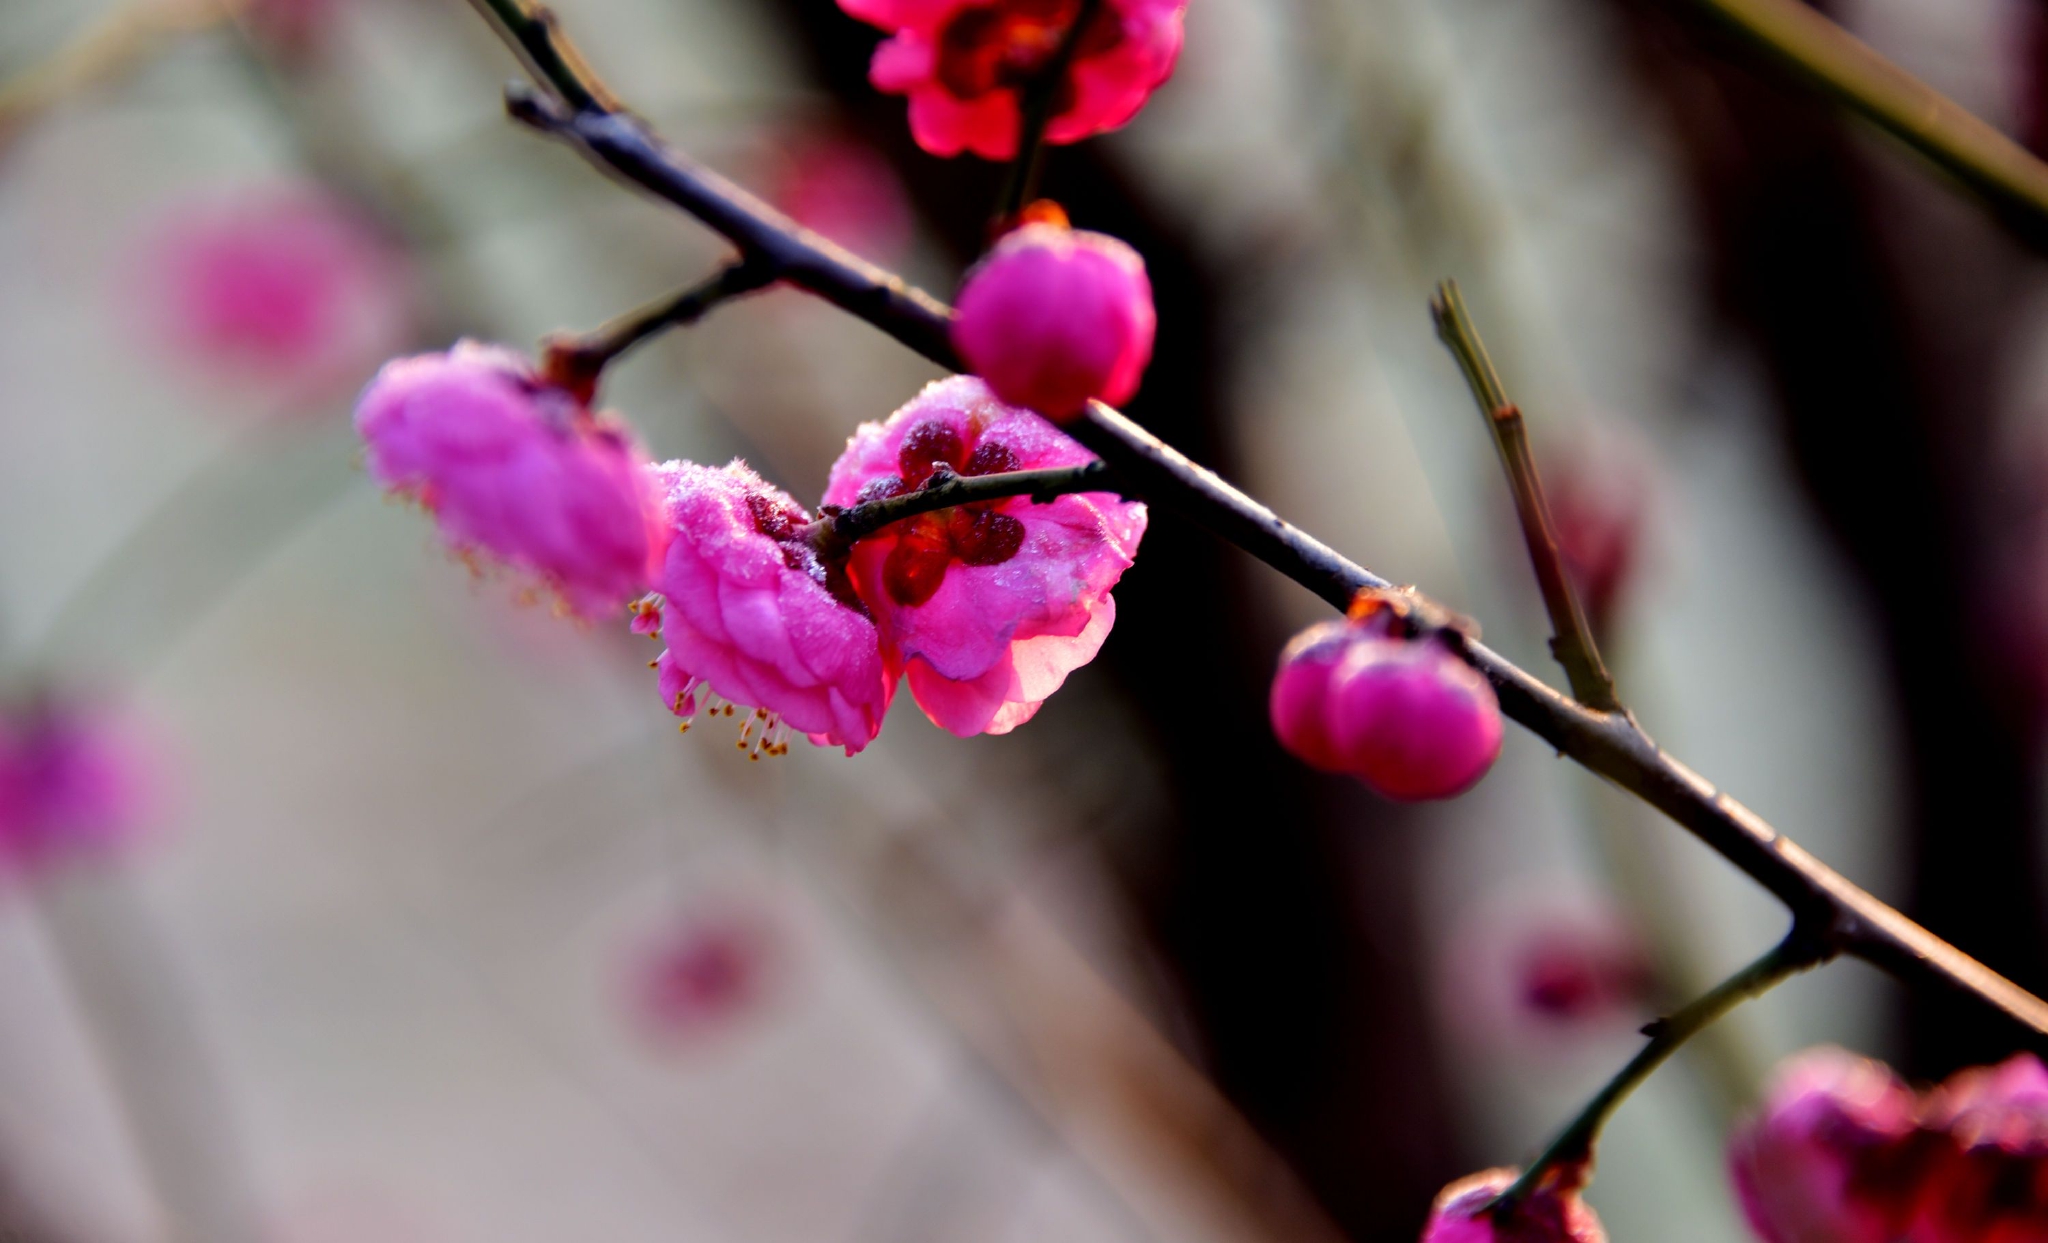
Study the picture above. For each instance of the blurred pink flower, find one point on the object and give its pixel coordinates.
(1544, 966)
(987, 608)
(750, 612)
(1600, 502)
(1988, 1179)
(75, 783)
(284, 285)
(514, 467)
(702, 975)
(1052, 317)
(1817, 1163)
(1552, 1213)
(962, 63)
(296, 30)
(842, 188)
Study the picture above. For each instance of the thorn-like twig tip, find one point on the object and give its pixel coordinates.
(530, 107)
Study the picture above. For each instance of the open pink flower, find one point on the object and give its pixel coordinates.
(1825, 1159)
(517, 468)
(751, 615)
(988, 607)
(283, 285)
(1052, 317)
(74, 783)
(962, 63)
(1554, 1212)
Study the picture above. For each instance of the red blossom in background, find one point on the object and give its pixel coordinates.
(1052, 317)
(284, 285)
(752, 615)
(988, 607)
(705, 973)
(518, 469)
(840, 187)
(75, 783)
(1989, 1182)
(963, 62)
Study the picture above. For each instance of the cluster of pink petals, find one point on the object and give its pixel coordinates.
(1843, 1152)
(962, 62)
(1554, 1212)
(74, 784)
(1052, 317)
(1405, 716)
(986, 608)
(517, 468)
(280, 285)
(750, 613)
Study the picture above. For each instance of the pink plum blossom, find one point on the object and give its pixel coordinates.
(1052, 317)
(962, 62)
(987, 608)
(1815, 1164)
(752, 615)
(705, 972)
(838, 186)
(1553, 1212)
(1988, 1179)
(1403, 714)
(75, 783)
(518, 469)
(283, 285)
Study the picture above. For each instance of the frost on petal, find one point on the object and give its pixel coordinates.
(517, 469)
(987, 607)
(750, 615)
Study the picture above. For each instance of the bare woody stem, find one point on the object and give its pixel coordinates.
(1845, 917)
(1798, 952)
(836, 530)
(2011, 180)
(1571, 635)
(1035, 113)
(578, 360)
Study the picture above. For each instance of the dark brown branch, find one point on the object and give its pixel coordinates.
(1845, 917)
(836, 530)
(577, 360)
(1571, 638)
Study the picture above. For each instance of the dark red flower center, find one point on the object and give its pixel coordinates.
(1004, 45)
(970, 534)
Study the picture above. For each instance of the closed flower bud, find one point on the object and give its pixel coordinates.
(1301, 688)
(1053, 317)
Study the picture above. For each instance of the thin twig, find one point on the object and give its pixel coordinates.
(2009, 178)
(1035, 105)
(1571, 635)
(1844, 916)
(1796, 953)
(836, 530)
(578, 360)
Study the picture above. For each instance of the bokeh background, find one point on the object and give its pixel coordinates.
(441, 934)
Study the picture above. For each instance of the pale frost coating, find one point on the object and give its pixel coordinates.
(749, 613)
(962, 63)
(1054, 316)
(517, 468)
(986, 608)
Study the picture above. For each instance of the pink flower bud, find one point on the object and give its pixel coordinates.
(987, 607)
(1828, 1158)
(1988, 1179)
(750, 614)
(517, 468)
(1052, 317)
(74, 784)
(1301, 692)
(963, 62)
(1465, 1212)
(1410, 719)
